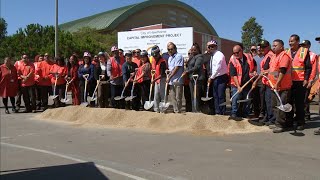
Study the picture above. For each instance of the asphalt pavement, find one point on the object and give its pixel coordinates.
(35, 149)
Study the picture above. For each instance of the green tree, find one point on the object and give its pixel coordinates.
(251, 33)
(3, 29)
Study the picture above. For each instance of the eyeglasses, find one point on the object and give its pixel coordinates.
(170, 49)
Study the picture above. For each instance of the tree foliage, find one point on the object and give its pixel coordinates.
(36, 39)
(3, 29)
(251, 33)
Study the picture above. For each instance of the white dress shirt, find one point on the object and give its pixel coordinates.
(218, 65)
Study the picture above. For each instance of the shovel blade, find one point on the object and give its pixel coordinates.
(244, 100)
(93, 99)
(84, 104)
(285, 108)
(65, 100)
(53, 97)
(206, 98)
(129, 98)
(118, 98)
(148, 105)
(164, 106)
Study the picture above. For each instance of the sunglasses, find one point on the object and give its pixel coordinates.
(253, 50)
(170, 49)
(210, 47)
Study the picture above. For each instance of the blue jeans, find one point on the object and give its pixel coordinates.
(219, 93)
(240, 109)
(269, 111)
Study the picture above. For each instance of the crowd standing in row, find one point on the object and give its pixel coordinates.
(133, 80)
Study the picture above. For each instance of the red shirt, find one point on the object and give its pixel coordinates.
(61, 71)
(8, 81)
(26, 69)
(44, 72)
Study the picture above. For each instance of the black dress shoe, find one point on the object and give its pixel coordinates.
(7, 111)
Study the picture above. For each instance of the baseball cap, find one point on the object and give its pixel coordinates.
(101, 53)
(306, 42)
(264, 43)
(155, 50)
(212, 42)
(143, 53)
(86, 54)
(128, 53)
(114, 48)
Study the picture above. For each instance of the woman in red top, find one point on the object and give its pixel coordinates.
(8, 84)
(60, 70)
(73, 79)
(143, 77)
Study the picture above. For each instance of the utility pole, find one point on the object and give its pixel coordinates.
(56, 32)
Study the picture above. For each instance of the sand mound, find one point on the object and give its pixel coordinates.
(194, 123)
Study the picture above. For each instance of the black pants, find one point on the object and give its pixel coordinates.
(298, 93)
(135, 104)
(116, 91)
(5, 102)
(187, 97)
(60, 91)
(29, 97)
(307, 105)
(143, 92)
(19, 94)
(258, 100)
(44, 91)
(103, 94)
(90, 89)
(282, 118)
(38, 96)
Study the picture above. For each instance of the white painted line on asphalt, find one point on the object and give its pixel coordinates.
(73, 159)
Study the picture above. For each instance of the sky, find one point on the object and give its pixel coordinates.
(279, 18)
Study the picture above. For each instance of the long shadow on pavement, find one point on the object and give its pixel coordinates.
(63, 172)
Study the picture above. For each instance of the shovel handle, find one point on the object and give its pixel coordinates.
(86, 76)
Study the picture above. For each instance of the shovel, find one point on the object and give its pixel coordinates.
(118, 98)
(65, 100)
(163, 106)
(195, 79)
(85, 103)
(225, 103)
(94, 97)
(247, 98)
(287, 107)
(131, 97)
(54, 88)
(207, 98)
(176, 82)
(148, 104)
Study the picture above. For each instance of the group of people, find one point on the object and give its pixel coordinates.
(134, 79)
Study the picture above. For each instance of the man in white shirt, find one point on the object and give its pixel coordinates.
(176, 68)
(217, 76)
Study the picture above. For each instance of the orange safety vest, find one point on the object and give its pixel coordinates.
(268, 55)
(137, 61)
(116, 69)
(298, 63)
(274, 71)
(313, 61)
(139, 72)
(156, 67)
(237, 65)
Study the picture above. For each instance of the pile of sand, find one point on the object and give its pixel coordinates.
(194, 123)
